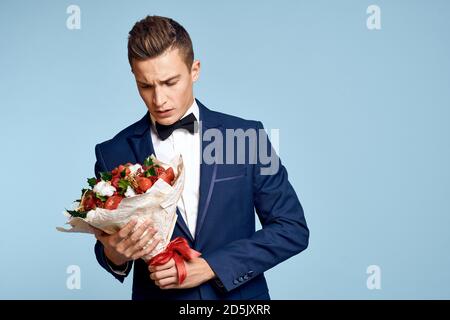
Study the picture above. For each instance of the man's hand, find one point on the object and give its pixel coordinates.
(126, 245)
(166, 277)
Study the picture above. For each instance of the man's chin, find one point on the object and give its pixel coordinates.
(167, 120)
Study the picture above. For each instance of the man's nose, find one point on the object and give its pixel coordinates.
(159, 98)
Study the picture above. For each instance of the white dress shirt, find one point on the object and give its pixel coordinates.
(187, 144)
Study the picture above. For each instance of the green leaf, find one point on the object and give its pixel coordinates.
(103, 198)
(150, 172)
(106, 176)
(77, 214)
(92, 182)
(123, 173)
(123, 184)
(148, 161)
(83, 191)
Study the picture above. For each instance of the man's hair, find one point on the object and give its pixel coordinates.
(153, 35)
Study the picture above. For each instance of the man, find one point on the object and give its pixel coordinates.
(216, 212)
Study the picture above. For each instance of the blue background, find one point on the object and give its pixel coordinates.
(363, 118)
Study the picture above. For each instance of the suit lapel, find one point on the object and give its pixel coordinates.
(142, 146)
(207, 171)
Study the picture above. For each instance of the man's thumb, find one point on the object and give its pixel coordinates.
(97, 232)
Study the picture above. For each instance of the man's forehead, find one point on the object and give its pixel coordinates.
(146, 71)
(161, 66)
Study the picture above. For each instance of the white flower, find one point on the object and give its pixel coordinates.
(130, 192)
(134, 168)
(104, 188)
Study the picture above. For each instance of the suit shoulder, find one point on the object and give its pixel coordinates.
(124, 134)
(231, 121)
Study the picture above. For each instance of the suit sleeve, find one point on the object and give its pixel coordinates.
(100, 166)
(284, 230)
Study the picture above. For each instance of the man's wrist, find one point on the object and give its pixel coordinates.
(209, 273)
(115, 263)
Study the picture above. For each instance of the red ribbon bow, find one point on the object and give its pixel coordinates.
(179, 250)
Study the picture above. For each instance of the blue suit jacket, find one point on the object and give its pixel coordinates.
(225, 233)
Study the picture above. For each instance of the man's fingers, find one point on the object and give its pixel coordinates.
(137, 234)
(146, 239)
(170, 286)
(171, 281)
(143, 247)
(125, 231)
(160, 275)
(146, 250)
(168, 265)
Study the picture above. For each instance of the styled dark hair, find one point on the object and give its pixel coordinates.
(153, 35)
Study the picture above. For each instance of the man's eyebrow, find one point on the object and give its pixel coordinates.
(171, 78)
(141, 82)
(176, 77)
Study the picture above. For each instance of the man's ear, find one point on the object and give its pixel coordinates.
(195, 70)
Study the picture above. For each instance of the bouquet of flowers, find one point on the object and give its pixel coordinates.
(148, 190)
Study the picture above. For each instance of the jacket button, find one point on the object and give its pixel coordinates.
(250, 273)
(241, 279)
(246, 277)
(235, 281)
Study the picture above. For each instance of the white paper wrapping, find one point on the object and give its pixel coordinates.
(159, 204)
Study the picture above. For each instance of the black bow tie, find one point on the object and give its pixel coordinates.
(187, 123)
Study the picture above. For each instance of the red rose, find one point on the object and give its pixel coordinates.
(88, 201)
(167, 175)
(144, 183)
(98, 203)
(159, 171)
(113, 202)
(115, 182)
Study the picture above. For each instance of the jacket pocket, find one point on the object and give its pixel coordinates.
(230, 172)
(229, 178)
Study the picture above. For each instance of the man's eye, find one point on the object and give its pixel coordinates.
(171, 84)
(144, 86)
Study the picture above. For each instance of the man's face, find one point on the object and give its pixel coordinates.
(166, 85)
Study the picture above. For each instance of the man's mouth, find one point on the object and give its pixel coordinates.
(164, 113)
